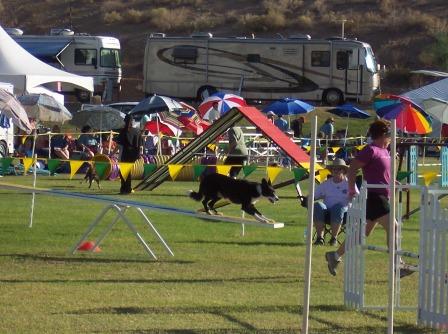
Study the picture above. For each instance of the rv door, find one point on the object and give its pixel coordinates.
(347, 67)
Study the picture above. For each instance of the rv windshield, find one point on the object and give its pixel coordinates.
(370, 60)
(110, 58)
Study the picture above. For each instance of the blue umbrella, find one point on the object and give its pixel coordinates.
(288, 106)
(350, 111)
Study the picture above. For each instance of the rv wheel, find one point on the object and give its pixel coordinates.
(3, 150)
(333, 97)
(205, 91)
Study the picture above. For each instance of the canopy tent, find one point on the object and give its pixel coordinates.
(25, 71)
(438, 89)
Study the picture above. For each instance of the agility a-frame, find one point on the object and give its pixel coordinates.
(254, 116)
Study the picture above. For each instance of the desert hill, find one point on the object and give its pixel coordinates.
(402, 32)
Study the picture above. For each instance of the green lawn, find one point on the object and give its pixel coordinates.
(218, 281)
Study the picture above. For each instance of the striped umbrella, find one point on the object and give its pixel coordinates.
(11, 108)
(225, 103)
(410, 117)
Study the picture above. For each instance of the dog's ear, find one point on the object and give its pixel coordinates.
(264, 182)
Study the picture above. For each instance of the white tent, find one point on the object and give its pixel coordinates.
(438, 89)
(25, 71)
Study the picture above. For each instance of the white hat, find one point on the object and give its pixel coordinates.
(338, 163)
(270, 113)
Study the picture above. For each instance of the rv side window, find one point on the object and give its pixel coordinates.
(320, 58)
(253, 58)
(185, 54)
(85, 57)
(342, 60)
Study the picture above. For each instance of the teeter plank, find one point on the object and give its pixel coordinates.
(142, 205)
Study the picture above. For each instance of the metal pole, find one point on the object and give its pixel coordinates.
(343, 26)
(393, 172)
(307, 287)
(34, 186)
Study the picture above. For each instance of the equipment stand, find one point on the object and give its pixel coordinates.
(121, 211)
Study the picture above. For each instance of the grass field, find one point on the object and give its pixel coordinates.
(218, 281)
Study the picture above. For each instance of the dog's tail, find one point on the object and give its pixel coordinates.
(197, 196)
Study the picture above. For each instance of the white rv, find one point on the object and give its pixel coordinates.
(6, 134)
(330, 70)
(82, 54)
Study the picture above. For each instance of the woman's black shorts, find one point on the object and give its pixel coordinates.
(377, 206)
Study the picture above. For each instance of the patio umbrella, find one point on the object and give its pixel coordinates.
(44, 108)
(410, 117)
(99, 117)
(155, 104)
(225, 103)
(437, 108)
(11, 108)
(350, 111)
(156, 127)
(190, 119)
(288, 106)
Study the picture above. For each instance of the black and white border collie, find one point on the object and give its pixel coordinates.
(215, 186)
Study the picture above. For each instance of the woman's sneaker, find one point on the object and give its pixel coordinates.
(319, 241)
(333, 261)
(333, 241)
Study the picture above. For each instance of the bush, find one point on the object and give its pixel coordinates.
(112, 17)
(166, 19)
(134, 16)
(398, 76)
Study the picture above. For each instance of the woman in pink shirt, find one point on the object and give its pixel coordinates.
(374, 160)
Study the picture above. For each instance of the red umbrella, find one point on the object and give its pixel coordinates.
(155, 127)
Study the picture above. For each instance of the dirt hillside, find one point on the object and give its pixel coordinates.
(400, 31)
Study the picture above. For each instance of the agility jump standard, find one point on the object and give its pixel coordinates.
(432, 309)
(121, 206)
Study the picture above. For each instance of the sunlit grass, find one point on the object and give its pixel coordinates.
(218, 281)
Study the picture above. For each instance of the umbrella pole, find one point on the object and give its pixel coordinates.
(34, 194)
(159, 144)
(346, 131)
(110, 143)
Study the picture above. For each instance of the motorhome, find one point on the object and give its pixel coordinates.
(329, 70)
(82, 54)
(6, 133)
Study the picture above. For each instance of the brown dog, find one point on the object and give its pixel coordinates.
(91, 176)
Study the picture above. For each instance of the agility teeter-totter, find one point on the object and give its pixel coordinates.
(432, 308)
(121, 206)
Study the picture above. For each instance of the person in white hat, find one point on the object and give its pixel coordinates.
(270, 115)
(335, 195)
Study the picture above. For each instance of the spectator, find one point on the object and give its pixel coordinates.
(237, 154)
(87, 142)
(281, 123)
(297, 126)
(334, 193)
(131, 146)
(328, 128)
(214, 113)
(271, 116)
(59, 144)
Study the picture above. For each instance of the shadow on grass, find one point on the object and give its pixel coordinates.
(230, 313)
(83, 260)
(263, 280)
(250, 243)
